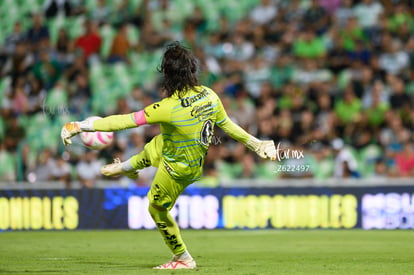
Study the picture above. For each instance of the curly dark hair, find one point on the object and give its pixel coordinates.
(179, 67)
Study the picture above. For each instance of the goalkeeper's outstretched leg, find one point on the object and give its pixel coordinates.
(150, 156)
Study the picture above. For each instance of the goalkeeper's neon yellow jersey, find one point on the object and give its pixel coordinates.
(187, 127)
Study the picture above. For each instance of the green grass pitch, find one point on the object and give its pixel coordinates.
(216, 252)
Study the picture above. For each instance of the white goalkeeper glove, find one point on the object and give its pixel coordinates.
(264, 148)
(71, 129)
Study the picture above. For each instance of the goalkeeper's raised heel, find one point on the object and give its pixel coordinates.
(116, 169)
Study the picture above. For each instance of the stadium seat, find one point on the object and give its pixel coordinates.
(367, 158)
(212, 13)
(36, 122)
(5, 83)
(56, 100)
(144, 68)
(74, 25)
(109, 82)
(43, 132)
(139, 67)
(266, 170)
(91, 4)
(97, 72)
(225, 170)
(321, 168)
(55, 24)
(207, 181)
(344, 78)
(7, 167)
(135, 3)
(355, 154)
(107, 33)
(5, 4)
(184, 7)
(35, 137)
(133, 35)
(51, 134)
(9, 14)
(28, 7)
(63, 118)
(100, 85)
(103, 101)
(19, 162)
(120, 77)
(233, 9)
(1, 128)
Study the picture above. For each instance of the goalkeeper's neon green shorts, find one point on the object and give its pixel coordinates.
(164, 189)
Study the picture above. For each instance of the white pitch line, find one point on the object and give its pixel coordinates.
(54, 259)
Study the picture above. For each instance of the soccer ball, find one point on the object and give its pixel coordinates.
(96, 140)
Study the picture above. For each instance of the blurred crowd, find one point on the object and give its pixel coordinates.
(330, 81)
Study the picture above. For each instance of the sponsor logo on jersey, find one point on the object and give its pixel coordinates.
(202, 112)
(188, 101)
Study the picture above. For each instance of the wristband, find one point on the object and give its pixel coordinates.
(253, 143)
(86, 125)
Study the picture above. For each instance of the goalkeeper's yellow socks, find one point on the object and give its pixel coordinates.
(186, 257)
(139, 161)
(168, 229)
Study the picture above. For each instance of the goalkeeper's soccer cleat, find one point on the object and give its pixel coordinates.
(177, 263)
(115, 169)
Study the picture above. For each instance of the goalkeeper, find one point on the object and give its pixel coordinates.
(186, 117)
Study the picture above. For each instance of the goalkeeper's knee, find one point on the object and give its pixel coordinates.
(155, 210)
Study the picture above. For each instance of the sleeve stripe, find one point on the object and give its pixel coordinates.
(174, 156)
(196, 144)
(171, 135)
(189, 165)
(198, 122)
(174, 121)
(181, 141)
(221, 120)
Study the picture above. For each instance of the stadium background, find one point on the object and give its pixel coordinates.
(330, 79)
